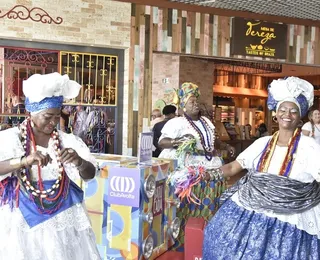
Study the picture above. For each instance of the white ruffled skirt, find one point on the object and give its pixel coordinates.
(66, 236)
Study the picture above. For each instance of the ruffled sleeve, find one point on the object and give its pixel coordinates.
(10, 147)
(311, 150)
(74, 142)
(307, 127)
(172, 129)
(249, 158)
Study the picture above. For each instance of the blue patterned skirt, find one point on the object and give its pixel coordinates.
(236, 233)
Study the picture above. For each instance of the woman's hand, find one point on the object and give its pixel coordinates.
(178, 141)
(37, 158)
(69, 155)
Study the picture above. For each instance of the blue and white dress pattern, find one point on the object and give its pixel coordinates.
(238, 232)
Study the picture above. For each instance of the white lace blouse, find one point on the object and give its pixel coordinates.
(178, 127)
(306, 168)
(11, 147)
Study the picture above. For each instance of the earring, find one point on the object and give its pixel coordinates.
(184, 110)
(32, 124)
(274, 119)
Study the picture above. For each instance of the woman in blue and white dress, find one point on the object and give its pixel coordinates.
(273, 212)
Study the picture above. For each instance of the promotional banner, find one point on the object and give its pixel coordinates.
(124, 186)
(145, 147)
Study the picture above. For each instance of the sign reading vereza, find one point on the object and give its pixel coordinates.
(257, 38)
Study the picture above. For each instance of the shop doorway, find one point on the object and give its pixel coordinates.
(98, 101)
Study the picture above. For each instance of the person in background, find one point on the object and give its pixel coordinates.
(273, 212)
(17, 108)
(262, 130)
(169, 112)
(42, 210)
(312, 128)
(65, 119)
(191, 126)
(79, 124)
(156, 117)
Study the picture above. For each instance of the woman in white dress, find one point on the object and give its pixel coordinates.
(273, 212)
(42, 215)
(312, 128)
(174, 133)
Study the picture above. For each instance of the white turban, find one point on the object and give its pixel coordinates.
(48, 91)
(291, 89)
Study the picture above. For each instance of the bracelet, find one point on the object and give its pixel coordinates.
(174, 145)
(16, 163)
(216, 174)
(24, 162)
(82, 165)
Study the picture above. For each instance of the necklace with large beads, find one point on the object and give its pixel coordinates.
(46, 200)
(269, 149)
(207, 141)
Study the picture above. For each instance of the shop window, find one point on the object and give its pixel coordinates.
(96, 73)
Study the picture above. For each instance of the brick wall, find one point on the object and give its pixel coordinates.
(199, 72)
(165, 66)
(178, 70)
(98, 23)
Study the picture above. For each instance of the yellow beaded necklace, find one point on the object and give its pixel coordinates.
(268, 151)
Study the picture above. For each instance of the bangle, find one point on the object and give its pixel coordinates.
(82, 165)
(16, 163)
(173, 142)
(24, 162)
(216, 174)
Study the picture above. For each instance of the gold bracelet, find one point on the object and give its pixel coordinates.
(16, 163)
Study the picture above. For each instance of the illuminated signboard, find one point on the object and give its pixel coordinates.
(257, 38)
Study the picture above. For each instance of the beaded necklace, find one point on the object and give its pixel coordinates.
(268, 151)
(206, 141)
(50, 200)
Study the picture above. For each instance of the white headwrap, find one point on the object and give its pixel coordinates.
(291, 89)
(48, 91)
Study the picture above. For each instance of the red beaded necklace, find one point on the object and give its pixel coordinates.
(49, 200)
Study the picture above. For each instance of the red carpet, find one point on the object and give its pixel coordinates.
(171, 255)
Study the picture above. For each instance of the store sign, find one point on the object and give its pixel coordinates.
(124, 186)
(256, 38)
(158, 199)
(145, 147)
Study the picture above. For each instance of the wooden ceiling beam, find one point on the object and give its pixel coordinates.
(223, 12)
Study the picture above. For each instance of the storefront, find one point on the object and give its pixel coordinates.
(87, 45)
(232, 71)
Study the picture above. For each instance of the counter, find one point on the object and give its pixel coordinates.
(132, 210)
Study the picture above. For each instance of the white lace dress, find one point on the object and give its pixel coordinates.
(305, 168)
(66, 236)
(178, 127)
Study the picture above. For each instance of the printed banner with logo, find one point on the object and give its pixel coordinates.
(257, 38)
(145, 147)
(124, 186)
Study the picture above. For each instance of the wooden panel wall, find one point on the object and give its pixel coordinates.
(178, 31)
